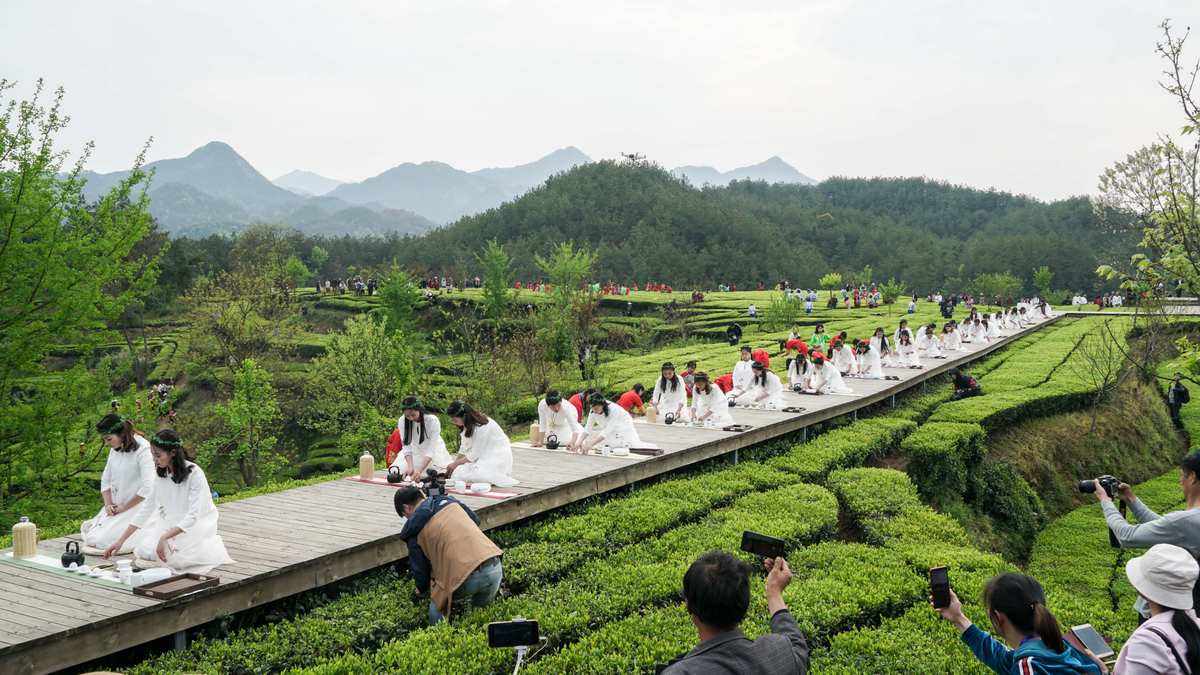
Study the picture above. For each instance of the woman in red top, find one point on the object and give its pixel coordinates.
(631, 400)
(577, 401)
(724, 382)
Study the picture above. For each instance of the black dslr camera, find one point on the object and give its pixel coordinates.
(434, 484)
(1107, 482)
(1110, 486)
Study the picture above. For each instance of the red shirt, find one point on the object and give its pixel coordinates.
(578, 403)
(725, 382)
(630, 401)
(394, 445)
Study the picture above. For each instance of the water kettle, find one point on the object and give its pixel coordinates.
(394, 475)
(552, 442)
(669, 418)
(72, 555)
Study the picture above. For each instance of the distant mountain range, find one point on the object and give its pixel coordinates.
(214, 189)
(774, 170)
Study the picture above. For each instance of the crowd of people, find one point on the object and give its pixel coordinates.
(356, 285)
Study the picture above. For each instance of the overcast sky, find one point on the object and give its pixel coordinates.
(1032, 97)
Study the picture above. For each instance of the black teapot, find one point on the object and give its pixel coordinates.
(394, 475)
(669, 418)
(552, 442)
(72, 555)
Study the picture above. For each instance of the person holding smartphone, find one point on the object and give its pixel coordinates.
(1168, 643)
(1032, 639)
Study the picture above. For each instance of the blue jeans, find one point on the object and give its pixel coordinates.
(480, 589)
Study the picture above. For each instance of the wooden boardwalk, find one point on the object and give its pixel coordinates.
(299, 539)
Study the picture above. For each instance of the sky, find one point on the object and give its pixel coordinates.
(1029, 97)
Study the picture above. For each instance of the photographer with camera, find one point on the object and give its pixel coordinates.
(449, 557)
(717, 591)
(1181, 528)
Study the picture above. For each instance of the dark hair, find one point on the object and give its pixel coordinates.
(746, 348)
(1021, 599)
(716, 589)
(113, 424)
(553, 397)
(167, 440)
(701, 378)
(760, 374)
(691, 364)
(638, 388)
(471, 418)
(1187, 629)
(412, 403)
(662, 382)
(1191, 463)
(407, 496)
(819, 328)
(598, 399)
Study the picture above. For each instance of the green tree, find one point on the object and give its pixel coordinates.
(1000, 287)
(318, 256)
(68, 269)
(497, 279)
(891, 289)
(295, 272)
(831, 282)
(250, 423)
(366, 366)
(1042, 277)
(400, 297)
(567, 324)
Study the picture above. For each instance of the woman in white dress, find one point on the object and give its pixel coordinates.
(670, 394)
(870, 363)
(484, 452)
(906, 351)
(885, 347)
(127, 481)
(742, 373)
(765, 389)
(708, 402)
(560, 419)
(929, 344)
(843, 355)
(176, 527)
(797, 369)
(424, 447)
(991, 328)
(951, 341)
(608, 424)
(829, 378)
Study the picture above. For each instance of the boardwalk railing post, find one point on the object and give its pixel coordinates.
(735, 456)
(804, 435)
(893, 399)
(180, 640)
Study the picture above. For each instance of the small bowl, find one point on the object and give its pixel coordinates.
(481, 488)
(620, 452)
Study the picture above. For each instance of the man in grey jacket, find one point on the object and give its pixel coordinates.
(717, 590)
(1181, 528)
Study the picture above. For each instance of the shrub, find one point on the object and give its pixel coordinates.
(848, 446)
(871, 494)
(940, 456)
(1003, 494)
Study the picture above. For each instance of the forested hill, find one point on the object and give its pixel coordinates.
(648, 225)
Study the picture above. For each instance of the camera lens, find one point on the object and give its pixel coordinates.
(1087, 486)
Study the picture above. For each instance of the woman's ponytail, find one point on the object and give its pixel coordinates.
(1187, 629)
(1047, 628)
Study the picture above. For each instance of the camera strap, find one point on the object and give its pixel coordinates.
(1178, 659)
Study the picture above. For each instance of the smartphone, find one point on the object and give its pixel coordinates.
(1092, 640)
(763, 545)
(939, 586)
(517, 633)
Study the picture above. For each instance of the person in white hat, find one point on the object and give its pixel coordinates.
(1167, 643)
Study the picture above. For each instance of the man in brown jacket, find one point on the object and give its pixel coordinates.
(448, 555)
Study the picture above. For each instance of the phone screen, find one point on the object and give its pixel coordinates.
(939, 586)
(1092, 640)
(512, 633)
(763, 545)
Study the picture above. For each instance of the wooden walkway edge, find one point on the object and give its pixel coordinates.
(296, 540)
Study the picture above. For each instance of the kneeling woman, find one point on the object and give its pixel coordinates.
(765, 388)
(608, 424)
(176, 526)
(127, 481)
(670, 393)
(562, 423)
(708, 402)
(424, 447)
(484, 452)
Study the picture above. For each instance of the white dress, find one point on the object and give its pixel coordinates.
(489, 456)
(616, 427)
(843, 359)
(907, 356)
(796, 372)
(743, 373)
(831, 381)
(127, 475)
(432, 448)
(188, 506)
(930, 345)
(773, 389)
(564, 423)
(871, 364)
(993, 331)
(715, 401)
(667, 401)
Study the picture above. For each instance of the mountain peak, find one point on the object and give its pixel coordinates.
(215, 148)
(772, 170)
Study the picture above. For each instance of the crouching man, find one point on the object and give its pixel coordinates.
(717, 591)
(449, 557)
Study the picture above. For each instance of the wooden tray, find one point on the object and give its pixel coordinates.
(794, 409)
(738, 427)
(175, 586)
(647, 452)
